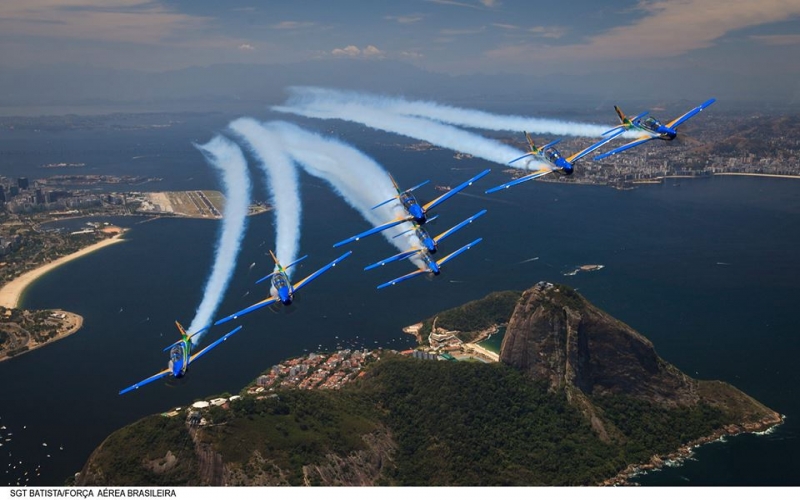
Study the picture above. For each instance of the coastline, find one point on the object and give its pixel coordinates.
(77, 324)
(686, 451)
(11, 293)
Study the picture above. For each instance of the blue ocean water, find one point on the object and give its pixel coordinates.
(706, 269)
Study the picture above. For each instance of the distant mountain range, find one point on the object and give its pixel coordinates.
(235, 87)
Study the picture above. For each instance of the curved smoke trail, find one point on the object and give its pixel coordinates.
(410, 126)
(228, 160)
(356, 177)
(316, 97)
(282, 184)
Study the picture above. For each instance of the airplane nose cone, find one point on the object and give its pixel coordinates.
(416, 212)
(435, 268)
(430, 245)
(283, 293)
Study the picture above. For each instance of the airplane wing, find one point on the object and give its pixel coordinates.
(677, 121)
(526, 178)
(453, 229)
(418, 272)
(300, 284)
(376, 229)
(214, 344)
(146, 381)
(521, 157)
(400, 256)
(258, 305)
(458, 252)
(637, 142)
(616, 130)
(453, 191)
(597, 145)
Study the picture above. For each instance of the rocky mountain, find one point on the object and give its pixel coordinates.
(578, 398)
(557, 336)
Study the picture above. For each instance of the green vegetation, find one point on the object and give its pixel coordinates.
(494, 309)
(33, 248)
(483, 424)
(294, 428)
(449, 424)
(141, 454)
(651, 429)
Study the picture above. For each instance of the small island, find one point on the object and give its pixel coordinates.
(577, 398)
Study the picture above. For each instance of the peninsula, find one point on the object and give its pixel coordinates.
(11, 293)
(578, 398)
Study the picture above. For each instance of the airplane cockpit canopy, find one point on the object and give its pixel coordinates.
(279, 281)
(651, 123)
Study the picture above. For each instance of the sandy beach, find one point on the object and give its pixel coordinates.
(11, 293)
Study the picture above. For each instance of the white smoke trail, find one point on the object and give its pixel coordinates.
(315, 97)
(361, 181)
(418, 128)
(282, 184)
(228, 160)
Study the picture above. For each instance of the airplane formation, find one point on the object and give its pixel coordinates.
(547, 159)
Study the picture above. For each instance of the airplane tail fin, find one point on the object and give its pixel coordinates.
(180, 328)
(277, 262)
(622, 117)
(530, 142)
(184, 335)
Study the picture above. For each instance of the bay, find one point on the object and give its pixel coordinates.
(706, 269)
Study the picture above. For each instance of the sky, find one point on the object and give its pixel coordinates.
(681, 38)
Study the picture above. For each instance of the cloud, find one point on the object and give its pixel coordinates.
(246, 47)
(409, 19)
(473, 31)
(777, 39)
(548, 31)
(460, 4)
(349, 51)
(664, 29)
(370, 51)
(293, 25)
(505, 26)
(490, 3)
(410, 54)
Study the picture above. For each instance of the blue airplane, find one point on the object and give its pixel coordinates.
(551, 159)
(180, 356)
(429, 245)
(284, 290)
(432, 266)
(415, 212)
(649, 127)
